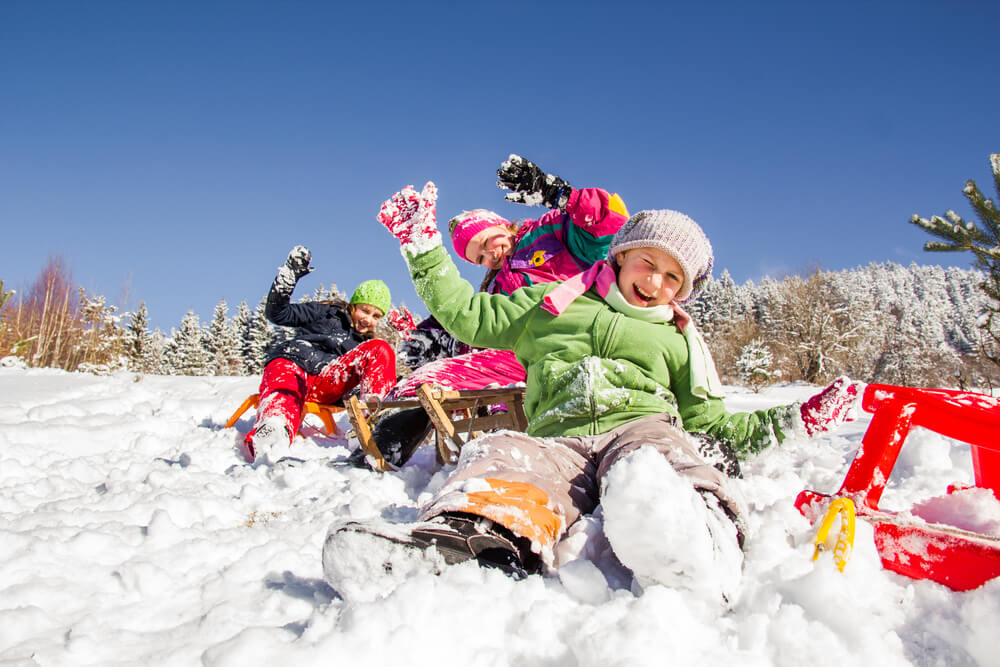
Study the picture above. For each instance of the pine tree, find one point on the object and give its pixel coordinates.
(983, 241)
(260, 336)
(323, 294)
(186, 351)
(154, 359)
(137, 339)
(222, 345)
(240, 332)
(754, 364)
(102, 342)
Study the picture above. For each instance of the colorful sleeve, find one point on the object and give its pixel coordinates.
(477, 318)
(596, 216)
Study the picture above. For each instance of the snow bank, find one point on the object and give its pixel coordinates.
(132, 532)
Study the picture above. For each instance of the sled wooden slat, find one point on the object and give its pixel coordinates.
(356, 413)
(453, 414)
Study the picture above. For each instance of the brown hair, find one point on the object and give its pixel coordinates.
(340, 303)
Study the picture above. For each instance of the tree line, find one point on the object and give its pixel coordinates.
(915, 325)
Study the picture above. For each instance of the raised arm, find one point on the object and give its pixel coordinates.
(478, 319)
(279, 309)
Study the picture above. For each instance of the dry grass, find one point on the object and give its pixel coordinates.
(56, 325)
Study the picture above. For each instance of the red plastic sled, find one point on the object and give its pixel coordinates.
(959, 559)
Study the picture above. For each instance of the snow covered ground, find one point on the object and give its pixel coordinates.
(132, 532)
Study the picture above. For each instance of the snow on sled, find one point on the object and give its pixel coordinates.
(959, 559)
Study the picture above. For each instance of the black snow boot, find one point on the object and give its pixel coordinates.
(397, 435)
(365, 560)
(458, 537)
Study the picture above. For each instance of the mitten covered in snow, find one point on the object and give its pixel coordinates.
(530, 185)
(831, 407)
(296, 265)
(411, 217)
(298, 261)
(401, 320)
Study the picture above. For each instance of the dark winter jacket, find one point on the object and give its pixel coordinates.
(324, 330)
(429, 342)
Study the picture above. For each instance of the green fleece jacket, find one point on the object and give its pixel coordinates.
(590, 369)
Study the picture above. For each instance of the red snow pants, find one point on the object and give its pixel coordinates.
(285, 386)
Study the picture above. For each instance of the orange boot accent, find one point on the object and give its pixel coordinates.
(518, 506)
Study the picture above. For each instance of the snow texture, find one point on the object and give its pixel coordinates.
(133, 533)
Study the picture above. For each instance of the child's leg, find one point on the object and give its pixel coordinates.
(534, 487)
(659, 432)
(372, 365)
(473, 370)
(664, 514)
(510, 495)
(283, 390)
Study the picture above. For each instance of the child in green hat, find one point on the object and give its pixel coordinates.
(333, 351)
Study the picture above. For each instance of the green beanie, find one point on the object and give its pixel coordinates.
(374, 293)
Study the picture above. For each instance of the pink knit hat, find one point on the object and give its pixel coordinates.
(467, 224)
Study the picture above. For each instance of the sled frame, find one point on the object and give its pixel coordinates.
(323, 411)
(959, 559)
(454, 414)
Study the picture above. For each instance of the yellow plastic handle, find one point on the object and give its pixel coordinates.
(843, 508)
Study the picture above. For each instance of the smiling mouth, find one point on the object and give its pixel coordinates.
(642, 296)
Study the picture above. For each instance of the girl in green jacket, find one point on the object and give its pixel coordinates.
(616, 374)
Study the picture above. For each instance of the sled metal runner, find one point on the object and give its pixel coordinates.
(959, 559)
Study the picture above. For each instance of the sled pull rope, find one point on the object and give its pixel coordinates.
(844, 508)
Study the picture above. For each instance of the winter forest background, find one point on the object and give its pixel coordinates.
(919, 326)
(915, 325)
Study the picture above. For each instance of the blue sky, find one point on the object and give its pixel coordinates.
(173, 152)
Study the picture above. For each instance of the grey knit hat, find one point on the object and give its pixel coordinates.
(675, 234)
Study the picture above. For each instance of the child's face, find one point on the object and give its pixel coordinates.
(648, 277)
(489, 247)
(365, 316)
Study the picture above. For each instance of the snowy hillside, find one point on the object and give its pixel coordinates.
(132, 532)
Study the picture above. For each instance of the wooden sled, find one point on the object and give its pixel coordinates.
(454, 414)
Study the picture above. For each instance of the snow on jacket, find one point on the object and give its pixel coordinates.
(590, 369)
(561, 244)
(324, 330)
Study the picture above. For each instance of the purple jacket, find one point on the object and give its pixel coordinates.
(561, 244)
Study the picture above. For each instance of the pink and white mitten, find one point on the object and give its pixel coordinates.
(402, 321)
(411, 217)
(831, 407)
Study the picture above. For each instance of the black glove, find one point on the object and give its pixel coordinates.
(298, 261)
(530, 185)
